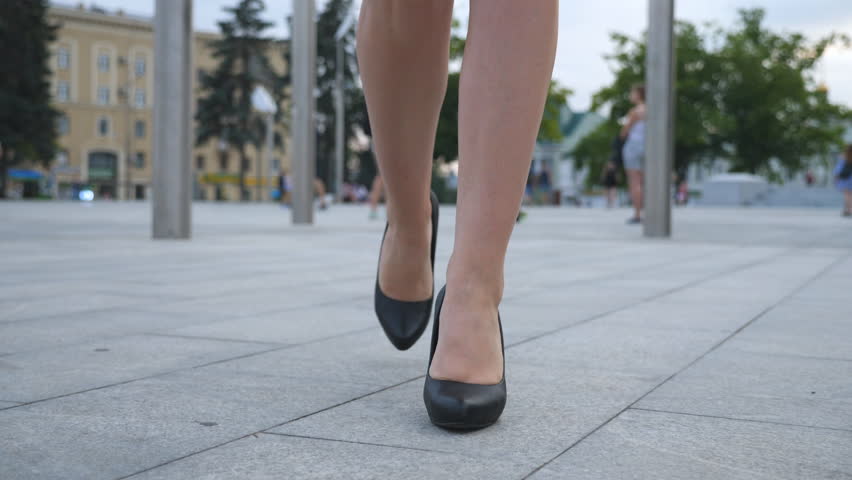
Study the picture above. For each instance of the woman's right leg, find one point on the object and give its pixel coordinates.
(403, 55)
(634, 179)
(847, 195)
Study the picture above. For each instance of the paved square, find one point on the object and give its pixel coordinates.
(252, 351)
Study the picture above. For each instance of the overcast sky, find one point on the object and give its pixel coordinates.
(584, 28)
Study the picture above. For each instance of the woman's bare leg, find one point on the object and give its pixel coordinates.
(403, 54)
(507, 67)
(847, 196)
(634, 180)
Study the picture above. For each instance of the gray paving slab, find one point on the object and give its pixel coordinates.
(258, 302)
(59, 330)
(290, 326)
(669, 313)
(7, 404)
(762, 387)
(31, 376)
(275, 456)
(127, 428)
(652, 445)
(800, 328)
(597, 347)
(37, 307)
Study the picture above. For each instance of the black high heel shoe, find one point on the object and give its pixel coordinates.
(404, 322)
(462, 406)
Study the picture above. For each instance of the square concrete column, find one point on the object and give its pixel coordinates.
(173, 68)
(303, 169)
(659, 123)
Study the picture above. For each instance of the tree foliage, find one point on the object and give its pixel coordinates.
(746, 94)
(224, 109)
(27, 120)
(771, 103)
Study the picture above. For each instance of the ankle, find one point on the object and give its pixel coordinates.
(410, 227)
(478, 283)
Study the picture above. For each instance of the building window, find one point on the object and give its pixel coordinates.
(139, 160)
(103, 95)
(139, 98)
(245, 164)
(199, 162)
(139, 128)
(63, 58)
(223, 163)
(139, 66)
(103, 62)
(63, 124)
(63, 91)
(103, 126)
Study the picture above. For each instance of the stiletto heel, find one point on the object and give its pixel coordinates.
(404, 322)
(457, 405)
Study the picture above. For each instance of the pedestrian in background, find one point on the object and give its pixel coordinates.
(609, 180)
(633, 133)
(843, 179)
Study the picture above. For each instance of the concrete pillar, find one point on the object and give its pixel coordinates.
(173, 68)
(303, 169)
(659, 133)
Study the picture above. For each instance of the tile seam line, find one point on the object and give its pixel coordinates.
(796, 290)
(383, 445)
(745, 420)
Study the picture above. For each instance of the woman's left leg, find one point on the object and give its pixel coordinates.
(507, 67)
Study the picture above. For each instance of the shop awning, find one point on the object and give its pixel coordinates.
(22, 174)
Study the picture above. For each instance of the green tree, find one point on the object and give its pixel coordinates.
(224, 107)
(746, 95)
(550, 129)
(27, 120)
(772, 108)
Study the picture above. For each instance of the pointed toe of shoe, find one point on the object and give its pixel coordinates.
(402, 322)
(463, 406)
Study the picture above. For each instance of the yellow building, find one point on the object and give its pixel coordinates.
(103, 83)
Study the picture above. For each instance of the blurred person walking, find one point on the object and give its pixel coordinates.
(843, 179)
(376, 196)
(403, 51)
(609, 180)
(633, 133)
